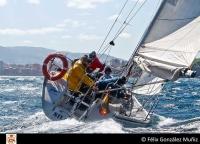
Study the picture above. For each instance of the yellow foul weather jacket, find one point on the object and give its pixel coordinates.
(76, 76)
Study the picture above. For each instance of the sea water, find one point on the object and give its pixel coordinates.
(21, 110)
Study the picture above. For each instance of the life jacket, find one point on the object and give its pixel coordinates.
(76, 76)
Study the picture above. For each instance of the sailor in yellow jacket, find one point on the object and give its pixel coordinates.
(76, 75)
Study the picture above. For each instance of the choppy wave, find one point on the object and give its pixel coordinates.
(21, 111)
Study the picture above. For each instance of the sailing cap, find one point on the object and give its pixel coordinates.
(92, 54)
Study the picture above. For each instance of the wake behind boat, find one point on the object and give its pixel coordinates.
(165, 53)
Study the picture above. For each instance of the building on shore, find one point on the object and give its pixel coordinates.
(1, 67)
(20, 70)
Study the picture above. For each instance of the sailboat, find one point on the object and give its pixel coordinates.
(165, 53)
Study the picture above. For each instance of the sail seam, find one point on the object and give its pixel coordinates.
(166, 50)
(113, 24)
(180, 19)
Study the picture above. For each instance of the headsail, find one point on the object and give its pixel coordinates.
(172, 40)
(148, 84)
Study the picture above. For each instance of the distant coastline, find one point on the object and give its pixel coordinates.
(36, 69)
(27, 61)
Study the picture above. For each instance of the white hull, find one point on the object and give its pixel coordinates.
(56, 106)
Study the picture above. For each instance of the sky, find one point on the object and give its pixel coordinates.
(73, 25)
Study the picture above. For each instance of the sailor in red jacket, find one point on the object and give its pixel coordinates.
(95, 62)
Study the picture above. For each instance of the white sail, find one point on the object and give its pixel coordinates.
(157, 69)
(172, 40)
(172, 15)
(148, 85)
(177, 49)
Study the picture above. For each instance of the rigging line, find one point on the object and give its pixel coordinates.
(130, 13)
(135, 51)
(129, 63)
(107, 54)
(105, 49)
(129, 71)
(121, 22)
(151, 89)
(113, 24)
(150, 98)
(137, 48)
(102, 50)
(108, 47)
(138, 45)
(155, 104)
(126, 23)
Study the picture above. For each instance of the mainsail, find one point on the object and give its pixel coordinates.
(170, 44)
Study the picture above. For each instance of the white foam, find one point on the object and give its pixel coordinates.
(177, 88)
(74, 126)
(192, 127)
(52, 126)
(9, 90)
(20, 79)
(169, 106)
(105, 126)
(38, 123)
(178, 81)
(194, 93)
(28, 87)
(29, 122)
(30, 78)
(166, 121)
(197, 102)
(9, 102)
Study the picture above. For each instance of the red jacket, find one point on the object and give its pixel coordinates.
(96, 64)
